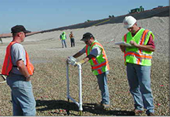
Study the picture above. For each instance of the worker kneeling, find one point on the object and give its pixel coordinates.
(96, 55)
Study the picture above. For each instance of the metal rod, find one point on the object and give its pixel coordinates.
(80, 103)
(68, 82)
(80, 88)
(74, 101)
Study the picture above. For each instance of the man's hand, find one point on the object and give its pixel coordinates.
(23, 69)
(133, 43)
(71, 60)
(80, 62)
(28, 78)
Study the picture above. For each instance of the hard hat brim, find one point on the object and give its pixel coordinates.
(128, 26)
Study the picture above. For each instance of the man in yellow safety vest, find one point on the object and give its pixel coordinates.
(96, 55)
(63, 38)
(138, 64)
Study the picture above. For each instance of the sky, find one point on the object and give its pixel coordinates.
(38, 15)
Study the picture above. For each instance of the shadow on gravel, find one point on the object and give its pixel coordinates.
(45, 105)
(70, 106)
(90, 107)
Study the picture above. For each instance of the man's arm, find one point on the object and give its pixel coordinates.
(95, 51)
(77, 54)
(149, 47)
(23, 69)
(143, 47)
(81, 52)
(86, 59)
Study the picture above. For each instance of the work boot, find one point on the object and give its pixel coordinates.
(137, 112)
(150, 114)
(106, 106)
(102, 106)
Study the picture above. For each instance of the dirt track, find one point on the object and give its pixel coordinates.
(49, 80)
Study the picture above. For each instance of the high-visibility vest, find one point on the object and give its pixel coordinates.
(135, 55)
(63, 36)
(99, 64)
(7, 65)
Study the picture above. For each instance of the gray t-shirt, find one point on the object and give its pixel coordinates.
(17, 53)
(95, 51)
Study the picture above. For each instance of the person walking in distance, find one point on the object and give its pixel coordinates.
(63, 38)
(72, 39)
(19, 71)
(96, 55)
(138, 64)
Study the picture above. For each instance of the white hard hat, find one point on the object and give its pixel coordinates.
(129, 21)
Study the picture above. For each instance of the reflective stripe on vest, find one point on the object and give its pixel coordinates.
(138, 56)
(7, 65)
(100, 63)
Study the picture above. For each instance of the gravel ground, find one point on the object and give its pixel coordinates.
(50, 84)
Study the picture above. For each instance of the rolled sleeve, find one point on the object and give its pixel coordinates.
(95, 51)
(151, 42)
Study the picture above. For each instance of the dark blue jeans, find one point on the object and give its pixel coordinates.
(22, 96)
(72, 42)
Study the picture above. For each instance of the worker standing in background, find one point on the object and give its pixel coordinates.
(63, 38)
(19, 70)
(138, 64)
(72, 39)
(96, 55)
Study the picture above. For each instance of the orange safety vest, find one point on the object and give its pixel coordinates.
(71, 36)
(7, 65)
